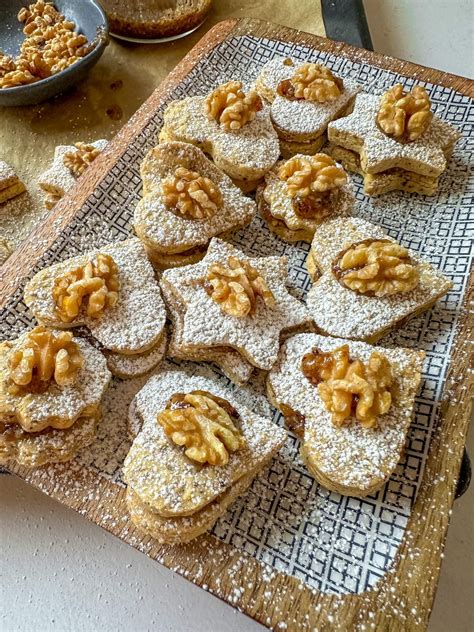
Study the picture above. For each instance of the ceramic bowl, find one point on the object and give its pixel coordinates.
(90, 20)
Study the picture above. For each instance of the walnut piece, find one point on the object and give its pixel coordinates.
(231, 107)
(191, 195)
(94, 286)
(311, 82)
(44, 356)
(237, 286)
(376, 267)
(311, 174)
(404, 116)
(78, 161)
(349, 387)
(51, 45)
(204, 424)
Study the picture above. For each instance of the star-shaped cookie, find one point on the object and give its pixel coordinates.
(359, 133)
(257, 335)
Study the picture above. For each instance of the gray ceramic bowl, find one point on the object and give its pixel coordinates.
(89, 19)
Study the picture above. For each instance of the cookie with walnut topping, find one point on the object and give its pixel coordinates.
(300, 193)
(350, 403)
(186, 201)
(197, 450)
(231, 125)
(232, 300)
(365, 282)
(394, 141)
(112, 291)
(48, 379)
(305, 98)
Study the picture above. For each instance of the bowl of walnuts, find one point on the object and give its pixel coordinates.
(47, 46)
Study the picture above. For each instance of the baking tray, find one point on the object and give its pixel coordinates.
(291, 554)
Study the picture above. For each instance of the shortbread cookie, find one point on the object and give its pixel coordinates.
(301, 192)
(10, 183)
(129, 366)
(133, 316)
(362, 302)
(69, 162)
(289, 148)
(234, 128)
(304, 98)
(174, 471)
(182, 529)
(235, 301)
(33, 449)
(5, 250)
(231, 363)
(378, 183)
(187, 201)
(425, 154)
(50, 379)
(355, 455)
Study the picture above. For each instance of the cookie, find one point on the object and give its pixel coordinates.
(343, 311)
(133, 324)
(36, 393)
(10, 184)
(304, 99)
(129, 366)
(179, 485)
(186, 201)
(351, 457)
(245, 152)
(265, 309)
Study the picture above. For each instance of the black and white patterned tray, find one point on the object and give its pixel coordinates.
(333, 543)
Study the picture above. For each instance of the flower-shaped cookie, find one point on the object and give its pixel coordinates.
(52, 445)
(350, 458)
(301, 117)
(300, 193)
(365, 282)
(69, 162)
(234, 301)
(175, 491)
(46, 381)
(186, 201)
(361, 145)
(245, 153)
(131, 322)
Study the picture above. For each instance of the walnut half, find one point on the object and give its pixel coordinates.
(311, 82)
(78, 161)
(231, 107)
(191, 195)
(94, 285)
(349, 387)
(204, 424)
(44, 356)
(237, 286)
(404, 116)
(376, 267)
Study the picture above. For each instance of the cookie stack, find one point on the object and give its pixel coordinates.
(112, 294)
(394, 141)
(51, 386)
(233, 304)
(181, 481)
(305, 98)
(186, 201)
(69, 162)
(10, 183)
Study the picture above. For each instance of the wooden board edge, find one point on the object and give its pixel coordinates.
(320, 608)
